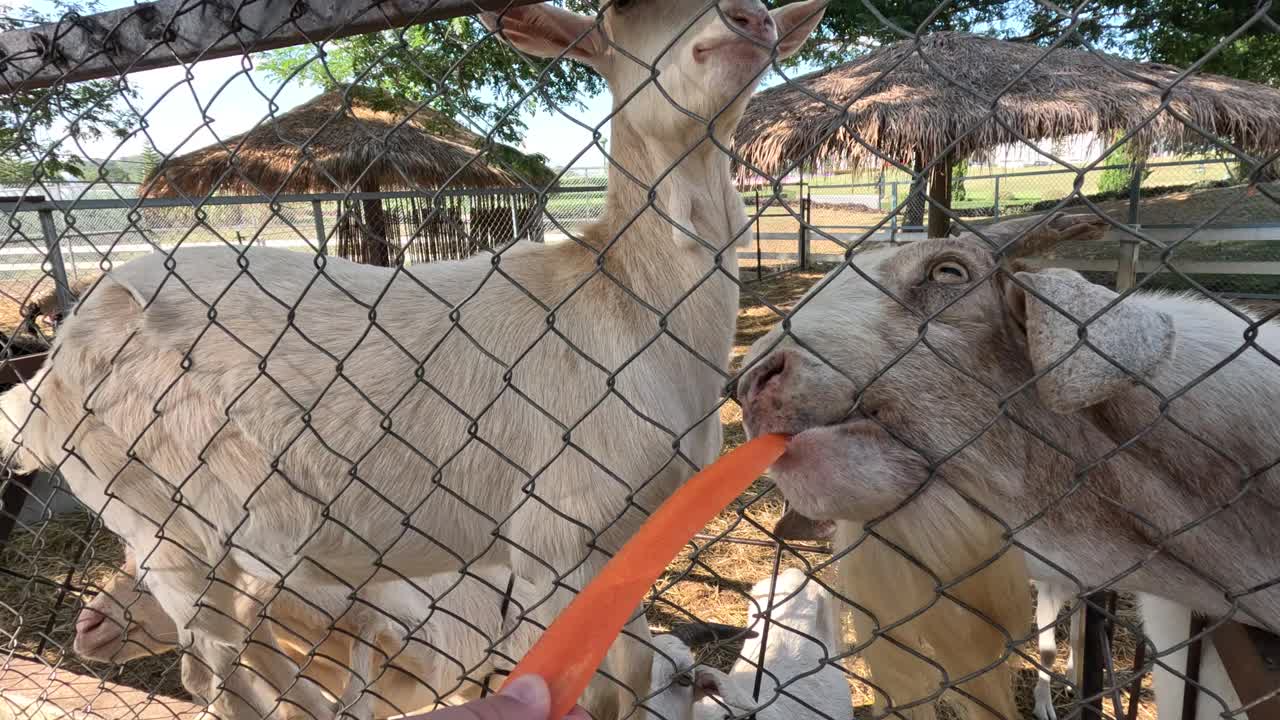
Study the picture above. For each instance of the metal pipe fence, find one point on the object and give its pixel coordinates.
(283, 453)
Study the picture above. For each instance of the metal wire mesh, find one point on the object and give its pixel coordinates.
(306, 486)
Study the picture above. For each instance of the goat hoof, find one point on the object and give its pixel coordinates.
(1044, 703)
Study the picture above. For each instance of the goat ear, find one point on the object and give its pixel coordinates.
(1134, 339)
(794, 23)
(546, 31)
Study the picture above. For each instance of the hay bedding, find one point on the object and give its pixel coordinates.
(709, 581)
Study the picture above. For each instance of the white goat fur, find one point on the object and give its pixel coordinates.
(325, 440)
(1172, 474)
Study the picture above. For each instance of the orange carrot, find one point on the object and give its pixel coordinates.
(571, 650)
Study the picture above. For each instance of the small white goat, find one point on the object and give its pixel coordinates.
(250, 414)
(1128, 470)
(800, 680)
(1050, 599)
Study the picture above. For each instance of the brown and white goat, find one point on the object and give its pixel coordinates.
(304, 422)
(964, 392)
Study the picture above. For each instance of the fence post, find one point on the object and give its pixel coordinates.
(515, 224)
(317, 213)
(56, 268)
(1127, 263)
(537, 227)
(996, 203)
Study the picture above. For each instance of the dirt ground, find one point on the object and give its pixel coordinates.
(708, 581)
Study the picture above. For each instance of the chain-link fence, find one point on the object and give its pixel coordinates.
(333, 416)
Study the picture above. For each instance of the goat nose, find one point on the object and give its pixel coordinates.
(759, 377)
(755, 21)
(88, 620)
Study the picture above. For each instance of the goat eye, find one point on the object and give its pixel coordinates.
(684, 680)
(621, 4)
(949, 272)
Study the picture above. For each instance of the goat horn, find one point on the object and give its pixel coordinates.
(1040, 233)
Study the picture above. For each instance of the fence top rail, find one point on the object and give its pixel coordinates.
(1098, 168)
(12, 206)
(115, 42)
(996, 176)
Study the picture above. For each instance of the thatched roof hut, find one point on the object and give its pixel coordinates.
(912, 100)
(352, 139)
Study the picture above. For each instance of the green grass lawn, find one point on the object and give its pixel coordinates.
(1057, 184)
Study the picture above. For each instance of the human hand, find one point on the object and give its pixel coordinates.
(525, 698)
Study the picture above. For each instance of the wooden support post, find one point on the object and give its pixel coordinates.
(940, 194)
(1251, 659)
(376, 247)
(317, 214)
(1127, 264)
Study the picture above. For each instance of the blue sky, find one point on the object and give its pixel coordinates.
(223, 97)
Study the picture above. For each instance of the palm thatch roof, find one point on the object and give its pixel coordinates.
(349, 138)
(922, 95)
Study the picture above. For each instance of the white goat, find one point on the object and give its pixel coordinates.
(1151, 473)
(262, 416)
